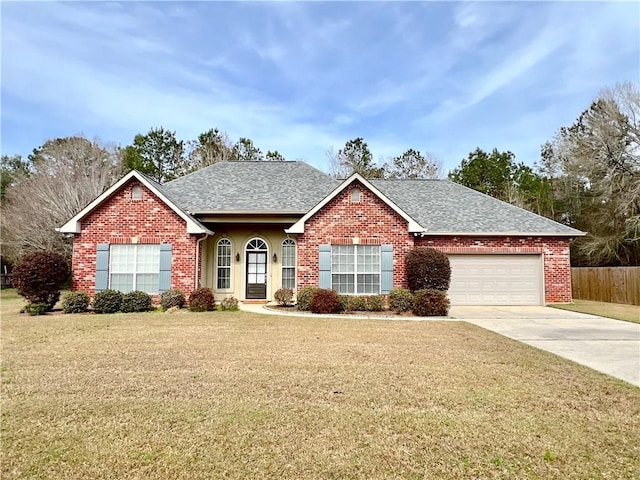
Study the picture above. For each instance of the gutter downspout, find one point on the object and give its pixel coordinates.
(198, 242)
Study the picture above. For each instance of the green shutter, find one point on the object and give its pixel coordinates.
(164, 281)
(324, 277)
(386, 263)
(102, 267)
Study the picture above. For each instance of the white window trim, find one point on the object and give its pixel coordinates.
(355, 270)
(134, 272)
(230, 288)
(295, 262)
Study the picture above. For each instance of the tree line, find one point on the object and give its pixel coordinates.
(587, 177)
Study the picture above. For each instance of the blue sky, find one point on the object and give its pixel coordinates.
(301, 77)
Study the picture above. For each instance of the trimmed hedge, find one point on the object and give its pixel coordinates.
(304, 298)
(427, 268)
(202, 300)
(325, 301)
(172, 298)
(136, 301)
(375, 303)
(284, 296)
(75, 302)
(229, 303)
(430, 303)
(39, 276)
(38, 308)
(362, 303)
(107, 301)
(400, 300)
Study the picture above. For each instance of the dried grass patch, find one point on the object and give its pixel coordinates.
(619, 311)
(236, 395)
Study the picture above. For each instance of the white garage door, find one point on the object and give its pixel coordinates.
(496, 280)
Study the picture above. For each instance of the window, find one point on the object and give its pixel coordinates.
(355, 269)
(224, 264)
(288, 263)
(136, 193)
(134, 267)
(355, 195)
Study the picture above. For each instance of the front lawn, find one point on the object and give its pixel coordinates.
(238, 395)
(618, 311)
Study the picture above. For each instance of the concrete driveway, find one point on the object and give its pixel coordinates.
(609, 346)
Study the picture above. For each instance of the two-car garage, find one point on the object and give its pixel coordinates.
(496, 280)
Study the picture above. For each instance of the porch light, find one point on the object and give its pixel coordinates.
(275, 258)
(238, 257)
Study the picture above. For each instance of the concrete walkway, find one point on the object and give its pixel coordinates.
(606, 345)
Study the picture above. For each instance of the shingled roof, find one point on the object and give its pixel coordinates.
(439, 206)
(254, 187)
(442, 206)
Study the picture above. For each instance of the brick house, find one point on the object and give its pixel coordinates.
(246, 229)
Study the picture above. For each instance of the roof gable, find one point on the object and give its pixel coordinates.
(74, 224)
(288, 187)
(298, 227)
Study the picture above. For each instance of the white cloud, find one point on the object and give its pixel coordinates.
(300, 77)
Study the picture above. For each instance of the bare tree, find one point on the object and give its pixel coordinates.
(68, 173)
(594, 167)
(413, 164)
(211, 147)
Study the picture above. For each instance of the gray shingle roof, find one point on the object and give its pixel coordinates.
(440, 206)
(445, 206)
(268, 187)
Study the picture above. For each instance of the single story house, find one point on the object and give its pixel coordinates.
(246, 229)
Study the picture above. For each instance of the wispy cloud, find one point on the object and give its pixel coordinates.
(300, 77)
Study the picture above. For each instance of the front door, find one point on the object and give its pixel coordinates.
(256, 258)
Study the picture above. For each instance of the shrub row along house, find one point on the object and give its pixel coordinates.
(246, 229)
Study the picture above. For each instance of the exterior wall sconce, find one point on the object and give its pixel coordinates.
(275, 258)
(237, 257)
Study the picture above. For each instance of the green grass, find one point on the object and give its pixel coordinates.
(618, 311)
(238, 395)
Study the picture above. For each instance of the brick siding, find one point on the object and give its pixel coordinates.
(120, 219)
(373, 222)
(555, 252)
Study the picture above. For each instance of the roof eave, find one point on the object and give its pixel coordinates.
(298, 227)
(74, 224)
(577, 233)
(248, 212)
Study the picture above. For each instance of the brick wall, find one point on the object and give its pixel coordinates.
(555, 252)
(370, 221)
(373, 222)
(120, 219)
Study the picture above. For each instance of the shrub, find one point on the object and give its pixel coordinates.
(400, 300)
(229, 303)
(429, 303)
(325, 301)
(107, 301)
(202, 300)
(427, 268)
(357, 303)
(344, 302)
(304, 298)
(284, 296)
(39, 276)
(172, 298)
(38, 308)
(136, 301)
(75, 302)
(375, 303)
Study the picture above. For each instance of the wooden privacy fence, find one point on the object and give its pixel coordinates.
(607, 284)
